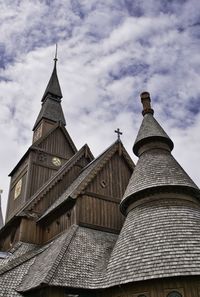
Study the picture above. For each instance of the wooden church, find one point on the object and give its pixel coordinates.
(79, 226)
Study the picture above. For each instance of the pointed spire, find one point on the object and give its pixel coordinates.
(53, 87)
(150, 130)
(51, 100)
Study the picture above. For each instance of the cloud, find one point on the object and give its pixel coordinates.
(109, 51)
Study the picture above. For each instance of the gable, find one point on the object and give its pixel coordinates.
(112, 179)
(57, 143)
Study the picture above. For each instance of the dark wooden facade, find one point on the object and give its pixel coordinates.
(37, 167)
(97, 206)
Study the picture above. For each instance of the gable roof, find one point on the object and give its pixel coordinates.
(55, 178)
(87, 174)
(35, 145)
(77, 258)
(60, 126)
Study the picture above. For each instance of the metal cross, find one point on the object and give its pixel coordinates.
(118, 133)
(56, 53)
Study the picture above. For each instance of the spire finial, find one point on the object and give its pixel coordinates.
(118, 133)
(146, 102)
(56, 53)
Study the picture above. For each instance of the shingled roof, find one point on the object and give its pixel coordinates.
(161, 234)
(156, 169)
(159, 239)
(150, 130)
(51, 107)
(77, 259)
(53, 86)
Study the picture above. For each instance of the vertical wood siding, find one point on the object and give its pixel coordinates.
(58, 188)
(100, 213)
(57, 144)
(59, 224)
(112, 180)
(100, 206)
(15, 204)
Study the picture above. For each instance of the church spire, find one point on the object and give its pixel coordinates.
(51, 101)
(53, 87)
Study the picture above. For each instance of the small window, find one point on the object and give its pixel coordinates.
(174, 294)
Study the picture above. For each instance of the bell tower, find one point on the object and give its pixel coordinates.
(52, 146)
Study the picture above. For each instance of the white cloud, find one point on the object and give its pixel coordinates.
(109, 51)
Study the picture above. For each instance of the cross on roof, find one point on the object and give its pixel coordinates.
(118, 133)
(56, 53)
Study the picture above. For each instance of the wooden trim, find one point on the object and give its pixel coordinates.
(102, 197)
(99, 228)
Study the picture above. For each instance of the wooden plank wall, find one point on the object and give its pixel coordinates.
(57, 144)
(59, 224)
(40, 175)
(15, 204)
(30, 231)
(100, 213)
(112, 180)
(9, 237)
(59, 188)
(99, 206)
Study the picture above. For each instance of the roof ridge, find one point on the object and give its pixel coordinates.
(22, 259)
(60, 255)
(79, 183)
(34, 145)
(69, 163)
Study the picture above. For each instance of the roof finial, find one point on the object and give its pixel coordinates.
(56, 53)
(146, 102)
(118, 133)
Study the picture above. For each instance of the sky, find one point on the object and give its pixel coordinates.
(109, 51)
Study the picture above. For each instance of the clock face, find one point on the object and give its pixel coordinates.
(56, 161)
(18, 189)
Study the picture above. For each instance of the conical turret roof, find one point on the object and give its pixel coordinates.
(150, 130)
(160, 237)
(156, 169)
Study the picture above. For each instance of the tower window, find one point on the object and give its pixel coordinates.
(174, 294)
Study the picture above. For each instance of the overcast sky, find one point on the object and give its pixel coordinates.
(109, 52)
